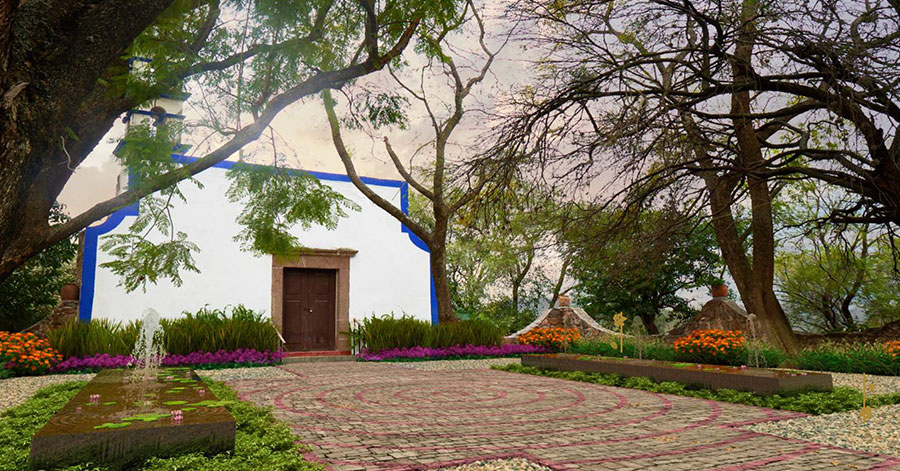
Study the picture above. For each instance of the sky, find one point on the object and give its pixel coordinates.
(303, 133)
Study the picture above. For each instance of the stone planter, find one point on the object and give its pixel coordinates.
(758, 380)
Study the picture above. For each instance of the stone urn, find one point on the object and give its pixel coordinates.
(720, 291)
(69, 292)
(563, 301)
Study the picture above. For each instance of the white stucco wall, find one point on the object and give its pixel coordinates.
(388, 274)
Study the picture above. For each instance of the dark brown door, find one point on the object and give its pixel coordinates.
(309, 298)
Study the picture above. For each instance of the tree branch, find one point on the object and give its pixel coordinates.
(344, 155)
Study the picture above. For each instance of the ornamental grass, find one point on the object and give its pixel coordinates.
(375, 334)
(207, 330)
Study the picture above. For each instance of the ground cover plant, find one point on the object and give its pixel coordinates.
(261, 442)
(375, 334)
(840, 399)
(458, 352)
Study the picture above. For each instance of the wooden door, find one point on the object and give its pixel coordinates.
(309, 314)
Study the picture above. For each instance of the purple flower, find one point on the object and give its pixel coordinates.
(239, 356)
(455, 351)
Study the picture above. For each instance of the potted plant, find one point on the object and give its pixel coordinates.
(719, 288)
(69, 292)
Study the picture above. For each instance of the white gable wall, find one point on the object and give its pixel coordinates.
(388, 274)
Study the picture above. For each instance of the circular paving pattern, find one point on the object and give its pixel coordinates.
(378, 416)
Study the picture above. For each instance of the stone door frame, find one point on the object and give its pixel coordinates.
(324, 259)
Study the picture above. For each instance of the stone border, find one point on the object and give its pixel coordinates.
(757, 380)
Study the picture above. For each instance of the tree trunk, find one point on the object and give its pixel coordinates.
(515, 296)
(649, 321)
(446, 314)
(755, 280)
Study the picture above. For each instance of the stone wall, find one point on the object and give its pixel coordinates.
(65, 311)
(563, 317)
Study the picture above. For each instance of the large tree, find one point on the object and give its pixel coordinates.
(32, 291)
(643, 267)
(65, 78)
(833, 276)
(732, 97)
(446, 191)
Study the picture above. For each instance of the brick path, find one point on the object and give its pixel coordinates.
(381, 417)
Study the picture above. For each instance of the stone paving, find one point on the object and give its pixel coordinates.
(367, 416)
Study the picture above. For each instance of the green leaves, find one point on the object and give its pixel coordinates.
(140, 261)
(113, 425)
(278, 200)
(32, 291)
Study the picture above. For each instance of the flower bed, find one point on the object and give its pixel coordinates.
(711, 346)
(458, 351)
(25, 354)
(552, 338)
(201, 360)
(758, 380)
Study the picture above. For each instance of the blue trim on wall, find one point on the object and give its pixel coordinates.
(418, 242)
(89, 258)
(92, 234)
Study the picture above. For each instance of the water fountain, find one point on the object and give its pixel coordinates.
(124, 416)
(148, 349)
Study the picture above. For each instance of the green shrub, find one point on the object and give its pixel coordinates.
(207, 330)
(633, 347)
(211, 330)
(387, 332)
(847, 358)
(753, 353)
(261, 442)
(811, 402)
(78, 339)
(468, 332)
(759, 354)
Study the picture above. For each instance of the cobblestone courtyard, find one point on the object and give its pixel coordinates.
(380, 416)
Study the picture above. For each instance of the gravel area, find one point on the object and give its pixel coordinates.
(454, 364)
(514, 464)
(880, 434)
(881, 384)
(256, 372)
(14, 391)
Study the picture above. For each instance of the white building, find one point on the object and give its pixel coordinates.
(370, 264)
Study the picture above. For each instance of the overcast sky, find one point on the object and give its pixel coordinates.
(303, 132)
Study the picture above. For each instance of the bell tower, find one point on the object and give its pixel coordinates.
(165, 110)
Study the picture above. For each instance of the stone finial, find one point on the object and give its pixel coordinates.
(563, 300)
